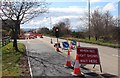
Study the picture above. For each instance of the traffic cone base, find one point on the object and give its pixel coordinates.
(77, 71)
(57, 49)
(68, 64)
(77, 74)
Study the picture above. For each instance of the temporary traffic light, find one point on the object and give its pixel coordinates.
(57, 32)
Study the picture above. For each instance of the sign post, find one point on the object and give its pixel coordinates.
(88, 56)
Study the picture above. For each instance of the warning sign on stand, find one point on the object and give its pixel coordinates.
(88, 55)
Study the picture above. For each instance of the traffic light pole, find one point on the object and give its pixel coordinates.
(51, 41)
(57, 40)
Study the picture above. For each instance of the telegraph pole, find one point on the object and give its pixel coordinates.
(51, 29)
(89, 17)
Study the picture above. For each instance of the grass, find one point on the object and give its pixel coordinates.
(11, 59)
(0, 63)
(0, 44)
(93, 41)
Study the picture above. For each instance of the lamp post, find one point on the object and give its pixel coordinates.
(89, 17)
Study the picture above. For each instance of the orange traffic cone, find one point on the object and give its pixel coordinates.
(79, 44)
(71, 47)
(57, 48)
(68, 61)
(77, 70)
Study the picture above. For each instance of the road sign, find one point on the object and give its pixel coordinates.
(74, 42)
(65, 44)
(88, 55)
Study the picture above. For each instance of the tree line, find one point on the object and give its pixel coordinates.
(104, 26)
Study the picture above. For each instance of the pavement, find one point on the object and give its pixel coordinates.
(45, 61)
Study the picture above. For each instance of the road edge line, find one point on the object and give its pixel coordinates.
(29, 64)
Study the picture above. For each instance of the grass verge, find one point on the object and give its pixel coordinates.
(93, 41)
(11, 60)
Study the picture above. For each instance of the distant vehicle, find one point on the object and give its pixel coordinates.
(39, 35)
(21, 36)
(31, 36)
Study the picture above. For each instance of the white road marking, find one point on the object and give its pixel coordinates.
(29, 61)
(115, 55)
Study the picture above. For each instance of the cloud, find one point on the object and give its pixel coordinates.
(70, 9)
(109, 6)
(61, 18)
(73, 13)
(45, 22)
(58, 14)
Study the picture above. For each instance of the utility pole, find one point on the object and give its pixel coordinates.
(51, 29)
(89, 17)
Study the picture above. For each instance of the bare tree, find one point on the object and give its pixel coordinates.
(19, 13)
(64, 27)
(43, 30)
(84, 25)
(67, 26)
(96, 24)
(102, 25)
(108, 25)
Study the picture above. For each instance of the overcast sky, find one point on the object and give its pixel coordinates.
(73, 10)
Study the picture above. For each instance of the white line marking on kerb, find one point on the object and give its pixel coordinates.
(29, 61)
(116, 55)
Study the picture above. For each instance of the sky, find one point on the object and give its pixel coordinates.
(72, 10)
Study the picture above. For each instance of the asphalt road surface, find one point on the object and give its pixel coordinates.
(109, 58)
(45, 61)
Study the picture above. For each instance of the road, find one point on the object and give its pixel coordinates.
(44, 61)
(108, 56)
